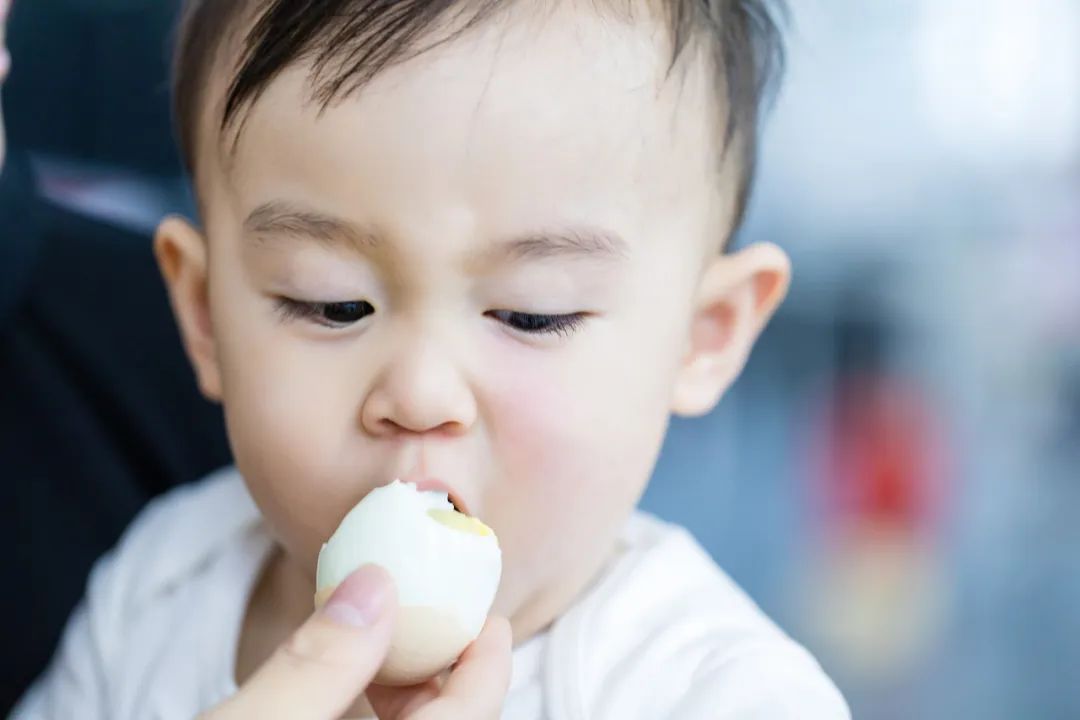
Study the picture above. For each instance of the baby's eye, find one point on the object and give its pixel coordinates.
(537, 324)
(332, 315)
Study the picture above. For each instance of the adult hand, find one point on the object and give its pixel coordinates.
(331, 659)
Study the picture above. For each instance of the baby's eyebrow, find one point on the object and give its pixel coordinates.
(583, 242)
(279, 219)
(285, 220)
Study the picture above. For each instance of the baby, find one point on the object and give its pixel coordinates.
(481, 246)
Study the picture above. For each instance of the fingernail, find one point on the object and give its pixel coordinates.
(361, 599)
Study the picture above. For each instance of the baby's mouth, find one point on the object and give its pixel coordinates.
(435, 485)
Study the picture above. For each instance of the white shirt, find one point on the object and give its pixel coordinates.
(662, 633)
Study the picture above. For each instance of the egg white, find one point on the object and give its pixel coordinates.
(433, 565)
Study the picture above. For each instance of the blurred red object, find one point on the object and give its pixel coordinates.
(883, 449)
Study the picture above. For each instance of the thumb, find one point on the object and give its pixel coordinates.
(329, 661)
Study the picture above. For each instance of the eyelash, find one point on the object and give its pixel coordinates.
(529, 323)
(290, 309)
(538, 324)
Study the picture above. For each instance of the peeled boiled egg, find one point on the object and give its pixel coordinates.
(446, 566)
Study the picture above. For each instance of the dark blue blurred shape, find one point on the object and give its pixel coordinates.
(90, 81)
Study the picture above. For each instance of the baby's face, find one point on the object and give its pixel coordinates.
(483, 270)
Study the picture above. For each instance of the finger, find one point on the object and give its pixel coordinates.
(391, 703)
(326, 664)
(484, 665)
(476, 687)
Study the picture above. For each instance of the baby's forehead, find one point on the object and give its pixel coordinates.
(620, 59)
(573, 100)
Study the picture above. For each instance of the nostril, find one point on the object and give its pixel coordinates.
(395, 428)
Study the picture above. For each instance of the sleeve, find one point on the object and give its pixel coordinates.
(74, 684)
(771, 682)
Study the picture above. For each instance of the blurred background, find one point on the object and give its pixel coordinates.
(896, 477)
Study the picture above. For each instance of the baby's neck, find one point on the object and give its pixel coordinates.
(280, 602)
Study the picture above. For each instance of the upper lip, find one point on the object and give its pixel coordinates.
(425, 484)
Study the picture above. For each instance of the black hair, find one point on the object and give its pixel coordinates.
(349, 42)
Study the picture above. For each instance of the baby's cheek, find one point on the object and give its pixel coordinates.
(565, 480)
(564, 439)
(535, 425)
(287, 428)
(597, 398)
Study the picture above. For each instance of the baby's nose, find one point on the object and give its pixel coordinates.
(422, 391)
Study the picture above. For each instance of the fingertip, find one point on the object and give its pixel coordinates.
(499, 631)
(395, 702)
(481, 677)
(327, 662)
(364, 598)
(371, 573)
(495, 639)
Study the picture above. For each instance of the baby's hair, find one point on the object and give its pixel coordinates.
(349, 42)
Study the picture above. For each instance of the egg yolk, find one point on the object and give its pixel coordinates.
(458, 521)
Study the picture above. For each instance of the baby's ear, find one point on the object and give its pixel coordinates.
(737, 296)
(182, 257)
